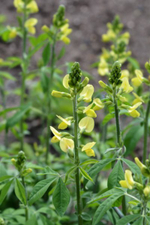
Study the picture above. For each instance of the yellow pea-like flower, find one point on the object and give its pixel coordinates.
(12, 33)
(45, 28)
(108, 36)
(137, 99)
(97, 104)
(125, 81)
(132, 110)
(19, 4)
(57, 135)
(138, 79)
(87, 93)
(89, 111)
(66, 144)
(29, 24)
(128, 182)
(32, 7)
(88, 149)
(65, 32)
(65, 81)
(59, 94)
(86, 124)
(64, 124)
(103, 67)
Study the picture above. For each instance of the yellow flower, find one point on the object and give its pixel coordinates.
(29, 24)
(108, 36)
(88, 149)
(89, 111)
(128, 182)
(64, 124)
(86, 124)
(65, 81)
(66, 144)
(144, 170)
(19, 4)
(65, 32)
(137, 99)
(57, 136)
(87, 93)
(32, 7)
(97, 104)
(132, 110)
(125, 82)
(103, 67)
(138, 79)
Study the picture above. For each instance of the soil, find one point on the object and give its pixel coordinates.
(88, 20)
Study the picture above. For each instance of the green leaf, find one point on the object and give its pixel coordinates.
(148, 219)
(3, 171)
(20, 191)
(61, 197)
(5, 178)
(115, 176)
(88, 162)
(139, 221)
(49, 171)
(39, 189)
(126, 219)
(8, 110)
(32, 220)
(35, 49)
(17, 116)
(61, 53)
(106, 194)
(96, 168)
(133, 167)
(134, 62)
(85, 174)
(132, 138)
(106, 205)
(7, 75)
(107, 118)
(5, 190)
(46, 54)
(69, 172)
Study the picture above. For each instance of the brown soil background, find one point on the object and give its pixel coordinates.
(88, 20)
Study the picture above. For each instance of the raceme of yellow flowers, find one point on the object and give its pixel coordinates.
(86, 124)
(130, 183)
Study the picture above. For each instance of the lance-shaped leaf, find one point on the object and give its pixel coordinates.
(39, 189)
(115, 176)
(61, 197)
(5, 190)
(126, 219)
(20, 191)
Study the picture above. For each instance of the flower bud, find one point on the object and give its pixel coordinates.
(26, 172)
(144, 170)
(45, 29)
(2, 222)
(146, 191)
(59, 94)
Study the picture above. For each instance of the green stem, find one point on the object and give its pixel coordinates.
(146, 131)
(144, 213)
(116, 117)
(118, 140)
(24, 69)
(50, 84)
(77, 161)
(26, 206)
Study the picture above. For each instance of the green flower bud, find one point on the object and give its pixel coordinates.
(75, 75)
(147, 66)
(58, 18)
(2, 222)
(115, 74)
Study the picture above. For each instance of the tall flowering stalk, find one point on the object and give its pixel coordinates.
(27, 27)
(59, 31)
(78, 91)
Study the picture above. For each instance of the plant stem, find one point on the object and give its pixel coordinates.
(118, 140)
(77, 161)
(146, 131)
(50, 83)
(26, 206)
(24, 68)
(116, 117)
